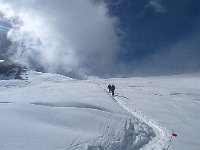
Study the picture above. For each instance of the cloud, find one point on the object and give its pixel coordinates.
(79, 37)
(157, 6)
(63, 36)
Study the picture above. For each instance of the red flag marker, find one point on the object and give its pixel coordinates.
(170, 140)
(174, 134)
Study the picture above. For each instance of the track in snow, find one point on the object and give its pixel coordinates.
(160, 141)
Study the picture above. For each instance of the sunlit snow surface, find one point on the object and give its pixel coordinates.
(173, 101)
(53, 112)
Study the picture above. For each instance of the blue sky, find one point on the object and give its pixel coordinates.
(117, 37)
(150, 29)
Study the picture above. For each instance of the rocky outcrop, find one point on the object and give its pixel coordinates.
(11, 70)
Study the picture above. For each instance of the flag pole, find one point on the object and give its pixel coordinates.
(170, 140)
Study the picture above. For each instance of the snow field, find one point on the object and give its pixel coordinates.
(53, 112)
(172, 101)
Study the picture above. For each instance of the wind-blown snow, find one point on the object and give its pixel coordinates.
(53, 112)
(64, 30)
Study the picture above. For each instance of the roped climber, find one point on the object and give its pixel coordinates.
(109, 88)
(113, 90)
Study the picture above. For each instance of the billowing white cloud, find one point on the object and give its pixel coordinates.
(63, 36)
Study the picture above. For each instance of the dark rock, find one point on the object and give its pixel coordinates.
(9, 68)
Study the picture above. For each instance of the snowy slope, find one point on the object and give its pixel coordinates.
(53, 112)
(173, 101)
